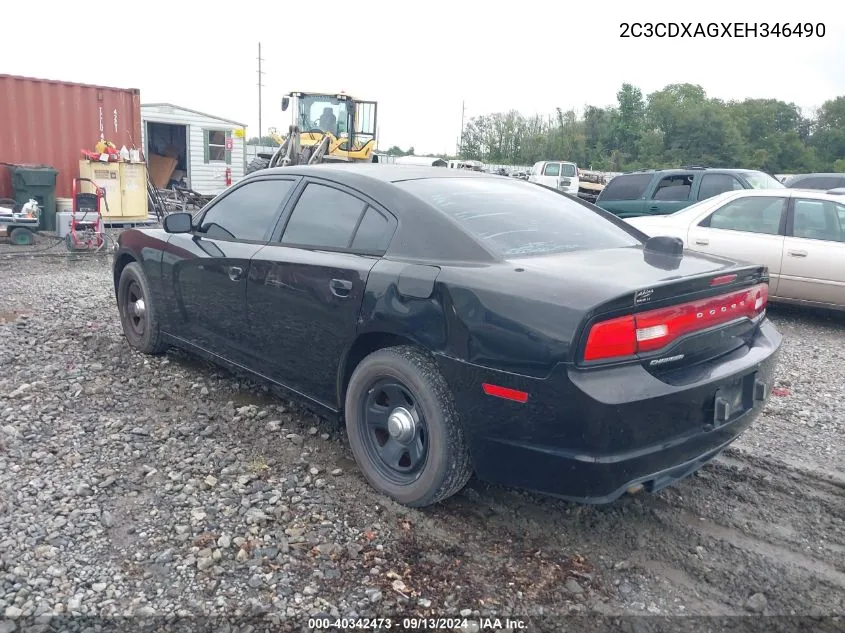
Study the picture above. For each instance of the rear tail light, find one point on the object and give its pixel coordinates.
(653, 330)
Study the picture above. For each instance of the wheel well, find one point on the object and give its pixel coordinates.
(363, 346)
(122, 262)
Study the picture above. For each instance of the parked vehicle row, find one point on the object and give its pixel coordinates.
(798, 234)
(462, 322)
(659, 192)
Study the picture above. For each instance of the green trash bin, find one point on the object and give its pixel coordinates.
(37, 182)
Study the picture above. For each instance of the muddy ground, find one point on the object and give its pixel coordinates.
(760, 531)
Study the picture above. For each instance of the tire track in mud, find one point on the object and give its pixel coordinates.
(743, 525)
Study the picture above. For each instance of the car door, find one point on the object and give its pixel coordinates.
(624, 195)
(205, 271)
(814, 252)
(672, 193)
(749, 228)
(306, 285)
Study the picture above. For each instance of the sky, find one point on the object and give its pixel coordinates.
(422, 61)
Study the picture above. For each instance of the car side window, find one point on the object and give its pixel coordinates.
(374, 232)
(714, 184)
(675, 188)
(248, 212)
(818, 220)
(626, 187)
(551, 169)
(750, 215)
(323, 217)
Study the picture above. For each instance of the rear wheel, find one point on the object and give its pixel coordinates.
(403, 428)
(21, 236)
(138, 314)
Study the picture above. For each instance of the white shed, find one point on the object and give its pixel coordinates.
(209, 150)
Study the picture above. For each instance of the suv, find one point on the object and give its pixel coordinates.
(815, 181)
(660, 192)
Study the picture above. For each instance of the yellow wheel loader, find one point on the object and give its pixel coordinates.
(325, 128)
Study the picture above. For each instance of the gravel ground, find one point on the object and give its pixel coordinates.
(165, 486)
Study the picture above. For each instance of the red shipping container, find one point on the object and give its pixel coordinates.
(45, 122)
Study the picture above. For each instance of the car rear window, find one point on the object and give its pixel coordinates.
(518, 219)
(626, 187)
(817, 182)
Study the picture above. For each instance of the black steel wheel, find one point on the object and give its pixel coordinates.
(395, 433)
(138, 315)
(403, 428)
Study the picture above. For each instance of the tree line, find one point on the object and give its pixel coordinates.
(678, 125)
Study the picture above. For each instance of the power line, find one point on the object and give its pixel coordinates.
(260, 85)
(463, 112)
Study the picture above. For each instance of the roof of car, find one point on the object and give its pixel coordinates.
(818, 174)
(424, 232)
(385, 173)
(686, 170)
(785, 192)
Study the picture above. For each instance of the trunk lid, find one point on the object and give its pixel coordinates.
(685, 310)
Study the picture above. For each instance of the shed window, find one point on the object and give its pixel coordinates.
(215, 147)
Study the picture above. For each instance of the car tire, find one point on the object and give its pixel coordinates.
(257, 164)
(406, 381)
(140, 322)
(21, 236)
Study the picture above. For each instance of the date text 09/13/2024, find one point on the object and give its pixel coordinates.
(722, 29)
(416, 624)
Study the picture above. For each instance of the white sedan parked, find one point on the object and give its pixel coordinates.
(798, 234)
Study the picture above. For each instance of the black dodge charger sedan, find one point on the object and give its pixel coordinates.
(462, 323)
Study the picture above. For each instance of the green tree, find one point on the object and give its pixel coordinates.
(677, 125)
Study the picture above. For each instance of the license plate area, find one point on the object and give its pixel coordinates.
(737, 398)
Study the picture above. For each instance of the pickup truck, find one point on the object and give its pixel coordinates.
(661, 192)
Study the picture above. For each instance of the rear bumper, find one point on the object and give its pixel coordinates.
(589, 436)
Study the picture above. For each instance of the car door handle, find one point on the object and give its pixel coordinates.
(702, 242)
(797, 253)
(235, 273)
(340, 287)
(653, 208)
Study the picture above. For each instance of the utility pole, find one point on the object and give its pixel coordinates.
(260, 85)
(463, 112)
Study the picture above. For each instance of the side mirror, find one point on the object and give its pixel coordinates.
(178, 223)
(285, 103)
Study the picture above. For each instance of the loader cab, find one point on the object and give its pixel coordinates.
(350, 121)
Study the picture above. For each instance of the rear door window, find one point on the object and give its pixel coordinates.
(323, 217)
(626, 187)
(551, 169)
(674, 188)
(374, 233)
(517, 219)
(568, 170)
(714, 184)
(819, 220)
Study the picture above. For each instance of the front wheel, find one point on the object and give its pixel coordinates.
(138, 314)
(403, 428)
